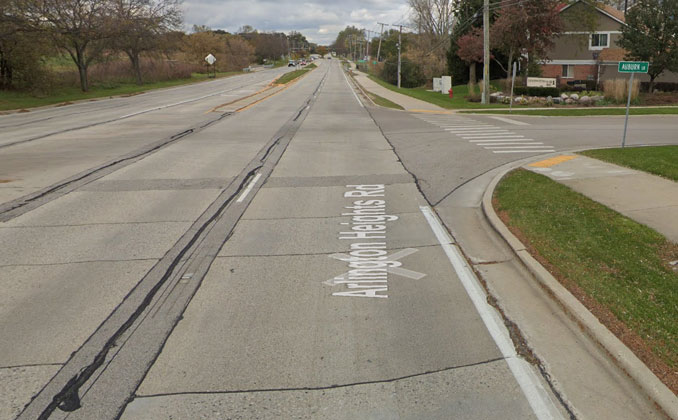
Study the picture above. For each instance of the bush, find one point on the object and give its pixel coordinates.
(410, 74)
(536, 91)
(581, 85)
(617, 90)
(660, 86)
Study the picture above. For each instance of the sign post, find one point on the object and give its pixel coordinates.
(513, 82)
(211, 60)
(632, 67)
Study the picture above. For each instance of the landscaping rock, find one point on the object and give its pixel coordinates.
(585, 100)
(569, 101)
(557, 100)
(564, 96)
(574, 97)
(597, 98)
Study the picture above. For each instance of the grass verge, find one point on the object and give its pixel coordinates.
(657, 160)
(618, 268)
(383, 101)
(288, 77)
(579, 112)
(22, 100)
(443, 101)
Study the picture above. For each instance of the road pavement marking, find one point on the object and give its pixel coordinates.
(510, 121)
(524, 151)
(249, 188)
(498, 134)
(539, 400)
(352, 91)
(552, 161)
(503, 143)
(475, 129)
(410, 274)
(500, 139)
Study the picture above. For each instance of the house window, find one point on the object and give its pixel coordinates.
(568, 71)
(600, 41)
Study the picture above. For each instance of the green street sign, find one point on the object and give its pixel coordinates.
(633, 66)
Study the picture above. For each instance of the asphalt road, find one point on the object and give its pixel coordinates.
(166, 258)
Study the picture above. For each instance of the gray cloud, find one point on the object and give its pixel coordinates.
(318, 20)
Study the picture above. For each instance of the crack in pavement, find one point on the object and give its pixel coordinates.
(324, 388)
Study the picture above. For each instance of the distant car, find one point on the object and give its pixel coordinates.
(292, 63)
(303, 62)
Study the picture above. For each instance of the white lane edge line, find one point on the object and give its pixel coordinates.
(504, 146)
(249, 188)
(351, 89)
(510, 121)
(498, 144)
(534, 392)
(498, 139)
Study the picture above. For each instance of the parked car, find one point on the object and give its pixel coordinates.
(291, 63)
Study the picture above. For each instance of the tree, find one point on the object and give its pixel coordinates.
(470, 50)
(651, 34)
(526, 29)
(140, 26)
(342, 44)
(238, 53)
(80, 27)
(467, 17)
(433, 17)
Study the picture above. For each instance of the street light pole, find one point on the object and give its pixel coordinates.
(400, 44)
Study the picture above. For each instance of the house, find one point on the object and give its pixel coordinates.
(580, 55)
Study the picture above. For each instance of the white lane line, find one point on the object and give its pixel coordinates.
(516, 147)
(510, 121)
(351, 89)
(523, 151)
(494, 143)
(249, 188)
(488, 128)
(506, 135)
(539, 400)
(498, 140)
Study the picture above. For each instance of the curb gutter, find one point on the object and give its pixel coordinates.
(622, 355)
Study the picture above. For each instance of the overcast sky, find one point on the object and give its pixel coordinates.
(318, 20)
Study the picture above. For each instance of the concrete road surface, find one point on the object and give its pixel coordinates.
(165, 258)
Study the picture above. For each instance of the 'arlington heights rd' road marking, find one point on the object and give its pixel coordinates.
(368, 261)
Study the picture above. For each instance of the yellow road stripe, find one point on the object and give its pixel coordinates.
(552, 161)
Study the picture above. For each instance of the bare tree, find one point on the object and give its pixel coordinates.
(80, 27)
(433, 17)
(140, 26)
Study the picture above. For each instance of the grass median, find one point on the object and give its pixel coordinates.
(10, 100)
(618, 268)
(582, 112)
(657, 160)
(288, 77)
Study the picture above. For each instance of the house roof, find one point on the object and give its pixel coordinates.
(605, 9)
(612, 54)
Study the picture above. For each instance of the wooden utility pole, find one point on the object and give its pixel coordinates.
(486, 52)
(400, 42)
(381, 35)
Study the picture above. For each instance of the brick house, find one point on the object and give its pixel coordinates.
(579, 55)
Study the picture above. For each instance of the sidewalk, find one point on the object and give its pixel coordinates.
(647, 199)
(642, 197)
(407, 102)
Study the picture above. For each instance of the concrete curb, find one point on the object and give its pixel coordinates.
(655, 390)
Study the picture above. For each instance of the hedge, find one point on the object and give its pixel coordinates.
(536, 91)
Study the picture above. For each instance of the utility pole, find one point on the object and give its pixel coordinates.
(486, 52)
(400, 42)
(381, 35)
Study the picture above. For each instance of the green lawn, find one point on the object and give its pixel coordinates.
(658, 160)
(288, 77)
(444, 101)
(21, 100)
(383, 101)
(577, 112)
(620, 264)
